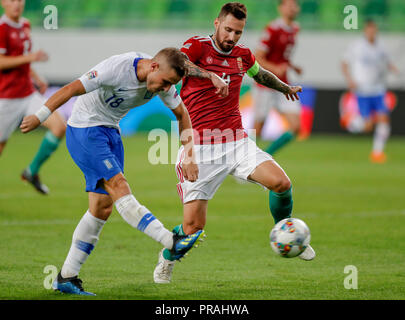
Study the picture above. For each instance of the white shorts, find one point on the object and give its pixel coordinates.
(215, 161)
(265, 98)
(12, 111)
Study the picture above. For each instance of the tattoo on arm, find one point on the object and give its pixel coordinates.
(269, 80)
(194, 71)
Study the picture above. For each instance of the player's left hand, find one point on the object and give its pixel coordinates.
(220, 84)
(292, 93)
(29, 123)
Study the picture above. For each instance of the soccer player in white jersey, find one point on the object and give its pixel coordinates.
(365, 65)
(107, 92)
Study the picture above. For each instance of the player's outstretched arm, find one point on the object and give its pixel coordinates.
(269, 80)
(189, 164)
(9, 62)
(59, 98)
(220, 84)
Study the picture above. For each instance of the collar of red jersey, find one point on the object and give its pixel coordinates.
(12, 23)
(217, 49)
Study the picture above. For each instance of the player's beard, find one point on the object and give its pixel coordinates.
(225, 46)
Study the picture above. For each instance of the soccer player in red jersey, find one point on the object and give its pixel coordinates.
(273, 54)
(221, 146)
(18, 96)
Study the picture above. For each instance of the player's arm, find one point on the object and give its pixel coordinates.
(59, 98)
(40, 82)
(268, 79)
(7, 62)
(279, 69)
(346, 72)
(189, 167)
(194, 71)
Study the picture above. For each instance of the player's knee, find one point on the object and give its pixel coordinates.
(117, 186)
(282, 184)
(103, 212)
(59, 131)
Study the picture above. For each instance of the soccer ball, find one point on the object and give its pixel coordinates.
(290, 237)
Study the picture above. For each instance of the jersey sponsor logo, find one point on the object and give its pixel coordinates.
(121, 89)
(225, 63)
(240, 63)
(148, 95)
(92, 74)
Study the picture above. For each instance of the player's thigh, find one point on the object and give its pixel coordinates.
(56, 125)
(98, 152)
(194, 215)
(100, 205)
(271, 175)
(289, 107)
(117, 187)
(381, 109)
(11, 114)
(263, 100)
(293, 120)
(213, 170)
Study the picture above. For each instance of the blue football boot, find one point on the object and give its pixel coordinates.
(71, 285)
(183, 244)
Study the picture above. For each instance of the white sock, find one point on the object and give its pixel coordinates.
(381, 135)
(140, 217)
(84, 239)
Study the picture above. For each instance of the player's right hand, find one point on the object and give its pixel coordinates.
(29, 123)
(220, 84)
(190, 170)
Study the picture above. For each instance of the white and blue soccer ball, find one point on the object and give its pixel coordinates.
(290, 237)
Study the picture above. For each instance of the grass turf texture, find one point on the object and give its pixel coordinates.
(355, 211)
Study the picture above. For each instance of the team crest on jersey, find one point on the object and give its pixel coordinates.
(209, 60)
(92, 74)
(240, 63)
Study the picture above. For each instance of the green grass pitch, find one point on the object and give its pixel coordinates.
(355, 210)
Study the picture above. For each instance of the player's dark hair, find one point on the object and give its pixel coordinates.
(175, 58)
(237, 9)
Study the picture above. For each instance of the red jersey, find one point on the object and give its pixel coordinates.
(15, 40)
(278, 40)
(207, 110)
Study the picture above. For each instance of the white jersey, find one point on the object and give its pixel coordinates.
(112, 89)
(368, 66)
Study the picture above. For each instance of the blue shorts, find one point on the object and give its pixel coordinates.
(98, 152)
(371, 105)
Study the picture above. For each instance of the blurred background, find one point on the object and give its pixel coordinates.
(92, 30)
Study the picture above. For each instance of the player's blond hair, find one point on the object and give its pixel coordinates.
(175, 58)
